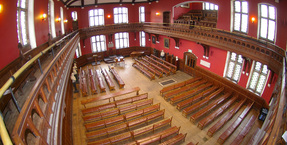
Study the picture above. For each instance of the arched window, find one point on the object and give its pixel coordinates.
(121, 15)
(96, 17)
(258, 78)
(240, 16)
(267, 22)
(209, 6)
(234, 67)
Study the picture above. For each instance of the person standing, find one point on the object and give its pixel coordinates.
(73, 78)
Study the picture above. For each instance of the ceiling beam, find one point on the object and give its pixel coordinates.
(121, 1)
(82, 3)
(65, 3)
(71, 3)
(96, 2)
(133, 1)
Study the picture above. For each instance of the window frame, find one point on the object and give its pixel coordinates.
(260, 17)
(98, 43)
(235, 62)
(141, 20)
(121, 15)
(204, 4)
(23, 37)
(96, 17)
(260, 73)
(119, 39)
(142, 39)
(241, 13)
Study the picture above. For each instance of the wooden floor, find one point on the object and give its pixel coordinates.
(133, 78)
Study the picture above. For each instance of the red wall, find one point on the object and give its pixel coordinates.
(8, 28)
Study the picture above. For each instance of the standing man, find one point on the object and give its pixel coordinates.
(73, 78)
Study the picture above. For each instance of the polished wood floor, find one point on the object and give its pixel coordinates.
(133, 78)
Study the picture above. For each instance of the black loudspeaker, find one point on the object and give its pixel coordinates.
(263, 114)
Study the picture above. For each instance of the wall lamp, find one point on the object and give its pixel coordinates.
(109, 16)
(157, 13)
(66, 21)
(58, 19)
(253, 19)
(44, 16)
(1, 8)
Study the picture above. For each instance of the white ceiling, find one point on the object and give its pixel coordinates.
(78, 3)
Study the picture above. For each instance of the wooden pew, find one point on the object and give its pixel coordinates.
(93, 84)
(175, 140)
(156, 67)
(152, 70)
(190, 93)
(114, 104)
(159, 64)
(244, 131)
(234, 125)
(108, 79)
(172, 67)
(209, 107)
(183, 89)
(117, 77)
(254, 137)
(227, 117)
(178, 85)
(201, 103)
(83, 83)
(197, 97)
(101, 83)
(157, 137)
(147, 118)
(202, 123)
(134, 133)
(112, 95)
(118, 111)
(122, 118)
(144, 71)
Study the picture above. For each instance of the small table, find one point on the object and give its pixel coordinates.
(119, 60)
(136, 54)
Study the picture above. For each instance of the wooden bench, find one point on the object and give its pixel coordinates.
(144, 71)
(173, 68)
(117, 77)
(113, 95)
(108, 79)
(178, 85)
(209, 107)
(197, 97)
(159, 64)
(157, 137)
(158, 73)
(113, 139)
(254, 137)
(202, 123)
(183, 89)
(227, 117)
(118, 111)
(190, 93)
(101, 83)
(175, 140)
(126, 125)
(234, 125)
(93, 84)
(201, 103)
(156, 67)
(114, 104)
(244, 131)
(83, 83)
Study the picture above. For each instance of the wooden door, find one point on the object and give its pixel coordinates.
(75, 25)
(166, 18)
(190, 60)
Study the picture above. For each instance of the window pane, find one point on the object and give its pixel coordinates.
(272, 12)
(212, 6)
(237, 6)
(271, 30)
(265, 69)
(240, 59)
(230, 69)
(207, 6)
(263, 27)
(117, 44)
(216, 7)
(261, 83)
(23, 4)
(237, 72)
(233, 56)
(254, 80)
(258, 66)
(264, 11)
(244, 23)
(237, 22)
(244, 7)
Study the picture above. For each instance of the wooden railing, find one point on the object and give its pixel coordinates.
(43, 111)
